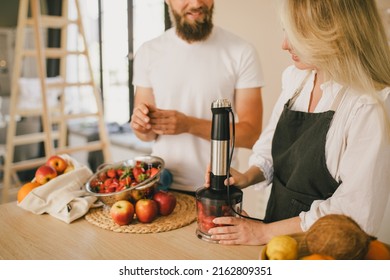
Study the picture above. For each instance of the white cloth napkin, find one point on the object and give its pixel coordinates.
(64, 197)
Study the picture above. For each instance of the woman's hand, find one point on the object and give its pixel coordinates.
(237, 179)
(242, 231)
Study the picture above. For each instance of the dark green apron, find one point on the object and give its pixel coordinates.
(298, 151)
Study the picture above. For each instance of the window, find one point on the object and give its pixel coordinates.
(112, 66)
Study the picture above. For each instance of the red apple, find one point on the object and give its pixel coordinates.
(135, 195)
(122, 212)
(146, 210)
(166, 202)
(58, 163)
(44, 174)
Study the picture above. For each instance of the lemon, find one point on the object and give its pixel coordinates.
(282, 247)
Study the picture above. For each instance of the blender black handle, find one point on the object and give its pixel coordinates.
(220, 144)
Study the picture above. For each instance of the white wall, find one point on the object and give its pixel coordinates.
(257, 22)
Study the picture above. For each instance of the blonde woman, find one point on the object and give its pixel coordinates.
(326, 148)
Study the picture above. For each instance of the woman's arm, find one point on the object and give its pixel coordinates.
(250, 232)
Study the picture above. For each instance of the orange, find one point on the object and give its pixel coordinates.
(25, 189)
(377, 250)
(317, 257)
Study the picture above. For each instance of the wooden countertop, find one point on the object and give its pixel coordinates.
(26, 236)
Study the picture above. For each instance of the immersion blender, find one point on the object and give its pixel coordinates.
(218, 200)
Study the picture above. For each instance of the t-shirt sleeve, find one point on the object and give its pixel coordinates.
(141, 68)
(250, 72)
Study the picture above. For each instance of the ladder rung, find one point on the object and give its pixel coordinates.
(74, 116)
(68, 84)
(89, 146)
(52, 21)
(32, 138)
(35, 112)
(53, 52)
(26, 164)
(29, 112)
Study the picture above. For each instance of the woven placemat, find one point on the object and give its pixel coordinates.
(184, 214)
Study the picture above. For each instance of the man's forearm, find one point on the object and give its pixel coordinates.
(199, 127)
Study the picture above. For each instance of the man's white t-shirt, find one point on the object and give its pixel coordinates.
(188, 78)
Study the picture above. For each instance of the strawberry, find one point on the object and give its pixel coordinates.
(111, 173)
(102, 176)
(138, 174)
(120, 187)
(108, 182)
(112, 188)
(120, 172)
(153, 171)
(125, 181)
(95, 183)
(140, 164)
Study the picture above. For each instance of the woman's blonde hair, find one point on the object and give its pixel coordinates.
(346, 39)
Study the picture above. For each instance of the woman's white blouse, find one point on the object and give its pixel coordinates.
(357, 150)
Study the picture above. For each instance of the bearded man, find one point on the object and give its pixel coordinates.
(178, 75)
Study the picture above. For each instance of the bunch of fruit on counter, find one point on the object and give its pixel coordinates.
(55, 166)
(145, 210)
(332, 237)
(143, 204)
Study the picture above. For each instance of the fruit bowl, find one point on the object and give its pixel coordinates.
(131, 180)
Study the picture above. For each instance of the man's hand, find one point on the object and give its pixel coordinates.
(168, 122)
(140, 120)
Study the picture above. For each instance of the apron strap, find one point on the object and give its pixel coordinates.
(335, 103)
(298, 90)
(338, 98)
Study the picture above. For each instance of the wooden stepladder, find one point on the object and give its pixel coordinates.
(54, 119)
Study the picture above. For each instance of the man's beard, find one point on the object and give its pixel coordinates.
(198, 30)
